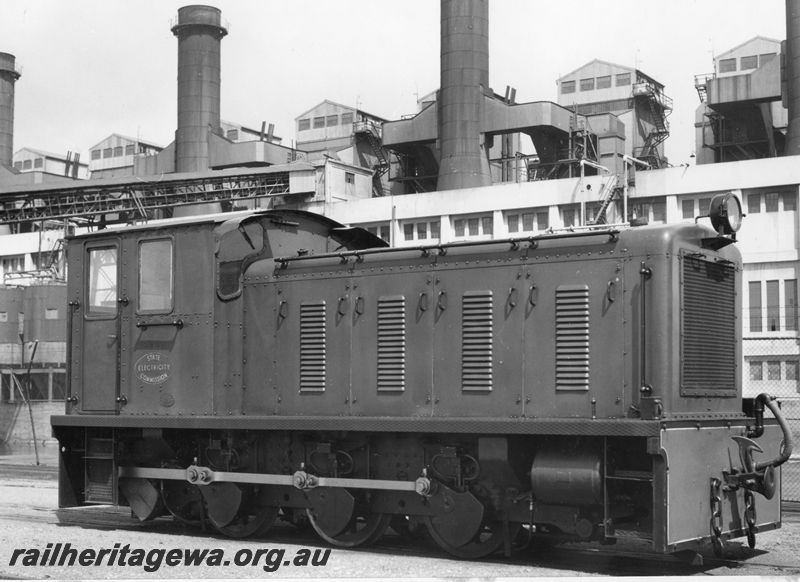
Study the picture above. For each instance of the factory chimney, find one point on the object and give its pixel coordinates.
(199, 31)
(792, 63)
(8, 76)
(464, 80)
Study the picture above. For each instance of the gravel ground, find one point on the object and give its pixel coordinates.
(29, 519)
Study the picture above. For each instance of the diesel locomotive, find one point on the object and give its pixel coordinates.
(236, 369)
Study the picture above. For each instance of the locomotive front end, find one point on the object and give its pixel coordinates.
(715, 468)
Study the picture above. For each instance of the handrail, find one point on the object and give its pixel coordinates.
(514, 244)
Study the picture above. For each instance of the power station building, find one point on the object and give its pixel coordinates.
(447, 173)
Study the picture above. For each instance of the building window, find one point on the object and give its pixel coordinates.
(623, 79)
(792, 370)
(319, 122)
(659, 211)
(653, 210)
(18, 165)
(379, 230)
(753, 203)
(421, 230)
(756, 370)
(570, 216)
(232, 134)
(349, 178)
(604, 82)
(107, 152)
(567, 87)
(773, 307)
(687, 208)
(130, 149)
(303, 124)
(765, 58)
(789, 201)
(727, 65)
(771, 202)
(754, 288)
(347, 119)
(26, 165)
(704, 206)
(527, 221)
(774, 370)
(472, 226)
(96, 154)
(117, 151)
(749, 62)
(38, 162)
(790, 303)
(587, 84)
(14, 264)
(332, 120)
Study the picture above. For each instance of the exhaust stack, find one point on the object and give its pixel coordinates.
(199, 31)
(8, 76)
(464, 79)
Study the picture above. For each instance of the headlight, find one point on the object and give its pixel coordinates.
(725, 212)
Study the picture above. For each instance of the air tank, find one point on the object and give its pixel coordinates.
(792, 62)
(8, 76)
(464, 79)
(199, 31)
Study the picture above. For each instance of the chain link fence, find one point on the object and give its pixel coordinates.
(772, 365)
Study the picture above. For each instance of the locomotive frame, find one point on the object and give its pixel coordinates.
(490, 391)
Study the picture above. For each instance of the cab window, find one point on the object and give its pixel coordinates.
(102, 298)
(155, 276)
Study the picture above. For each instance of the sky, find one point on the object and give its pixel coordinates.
(95, 67)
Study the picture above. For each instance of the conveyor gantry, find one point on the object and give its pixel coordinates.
(135, 198)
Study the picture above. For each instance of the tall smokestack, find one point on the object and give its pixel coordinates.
(199, 31)
(8, 76)
(464, 78)
(792, 62)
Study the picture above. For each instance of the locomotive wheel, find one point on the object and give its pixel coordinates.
(239, 511)
(460, 526)
(487, 540)
(143, 498)
(341, 521)
(184, 501)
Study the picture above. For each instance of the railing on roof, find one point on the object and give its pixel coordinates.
(368, 126)
(648, 89)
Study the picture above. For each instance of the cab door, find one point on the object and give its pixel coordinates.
(99, 329)
(167, 339)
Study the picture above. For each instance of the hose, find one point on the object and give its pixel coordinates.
(762, 400)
